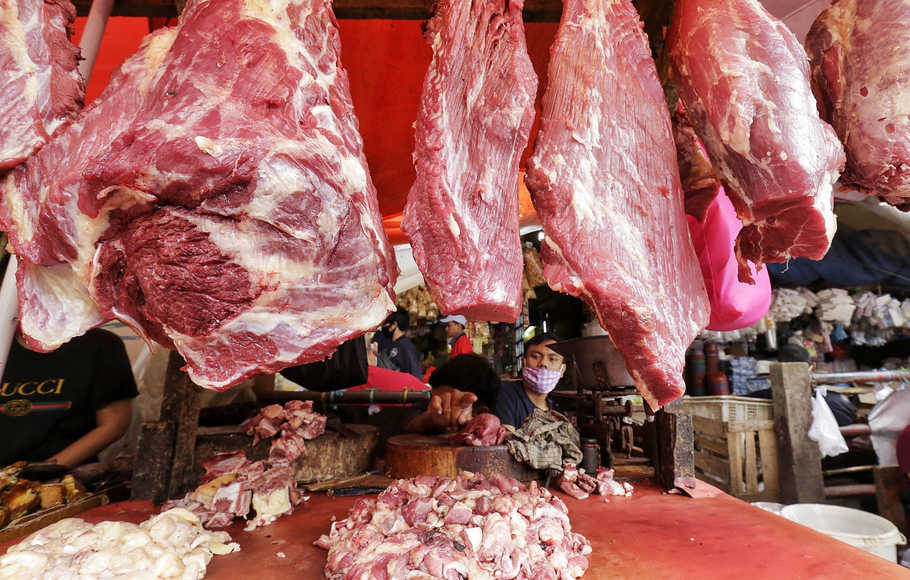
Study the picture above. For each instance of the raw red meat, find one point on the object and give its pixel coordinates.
(744, 80)
(475, 116)
(859, 51)
(605, 183)
(482, 430)
(40, 87)
(216, 198)
(296, 421)
(409, 531)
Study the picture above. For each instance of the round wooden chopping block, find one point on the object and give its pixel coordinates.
(411, 455)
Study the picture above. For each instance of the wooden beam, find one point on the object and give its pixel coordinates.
(655, 13)
(888, 495)
(180, 406)
(800, 465)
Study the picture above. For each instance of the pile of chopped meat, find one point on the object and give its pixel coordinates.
(483, 430)
(168, 545)
(580, 485)
(469, 527)
(293, 424)
(233, 485)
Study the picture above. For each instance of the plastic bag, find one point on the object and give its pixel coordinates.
(824, 429)
(734, 305)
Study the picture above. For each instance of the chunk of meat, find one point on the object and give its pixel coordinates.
(482, 430)
(744, 80)
(40, 86)
(475, 116)
(247, 236)
(605, 183)
(699, 182)
(860, 79)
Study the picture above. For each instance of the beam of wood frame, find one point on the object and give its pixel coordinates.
(655, 13)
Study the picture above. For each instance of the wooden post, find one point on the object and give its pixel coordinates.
(180, 406)
(800, 462)
(675, 449)
(154, 456)
(888, 495)
(164, 460)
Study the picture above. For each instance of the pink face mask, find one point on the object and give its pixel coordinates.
(540, 380)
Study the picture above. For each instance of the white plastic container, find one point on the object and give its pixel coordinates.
(769, 506)
(866, 531)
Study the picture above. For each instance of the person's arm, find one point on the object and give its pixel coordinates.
(449, 409)
(112, 422)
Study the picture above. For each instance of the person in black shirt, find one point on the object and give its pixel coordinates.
(66, 405)
(395, 347)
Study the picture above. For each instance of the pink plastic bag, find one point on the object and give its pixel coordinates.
(734, 305)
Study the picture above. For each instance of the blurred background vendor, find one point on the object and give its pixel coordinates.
(459, 343)
(67, 405)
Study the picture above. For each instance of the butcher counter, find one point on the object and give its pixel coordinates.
(649, 535)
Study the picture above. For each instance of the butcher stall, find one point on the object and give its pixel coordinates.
(251, 184)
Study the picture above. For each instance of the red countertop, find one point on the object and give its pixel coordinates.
(650, 535)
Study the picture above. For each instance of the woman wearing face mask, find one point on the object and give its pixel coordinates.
(541, 371)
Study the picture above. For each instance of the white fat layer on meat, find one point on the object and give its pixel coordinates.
(16, 204)
(271, 505)
(261, 320)
(15, 44)
(209, 146)
(66, 309)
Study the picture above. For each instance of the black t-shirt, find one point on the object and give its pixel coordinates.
(403, 355)
(49, 400)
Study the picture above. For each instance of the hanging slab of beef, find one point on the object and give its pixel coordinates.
(215, 198)
(475, 115)
(40, 86)
(859, 51)
(605, 182)
(699, 182)
(744, 80)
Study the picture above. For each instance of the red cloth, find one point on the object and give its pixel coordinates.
(461, 346)
(389, 380)
(903, 450)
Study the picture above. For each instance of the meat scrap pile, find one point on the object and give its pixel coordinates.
(169, 545)
(580, 485)
(233, 485)
(294, 423)
(215, 198)
(468, 527)
(483, 430)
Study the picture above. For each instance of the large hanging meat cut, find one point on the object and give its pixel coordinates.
(475, 116)
(860, 51)
(216, 198)
(605, 183)
(40, 87)
(744, 80)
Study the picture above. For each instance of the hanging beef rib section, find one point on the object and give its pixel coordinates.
(40, 87)
(215, 198)
(744, 80)
(605, 183)
(860, 63)
(474, 119)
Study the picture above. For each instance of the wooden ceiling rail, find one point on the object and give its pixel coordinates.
(655, 13)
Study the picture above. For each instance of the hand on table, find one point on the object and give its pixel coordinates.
(450, 409)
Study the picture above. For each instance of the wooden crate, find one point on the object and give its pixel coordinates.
(739, 457)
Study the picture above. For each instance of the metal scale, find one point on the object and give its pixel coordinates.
(661, 447)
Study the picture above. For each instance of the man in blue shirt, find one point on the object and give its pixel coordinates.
(395, 347)
(542, 369)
